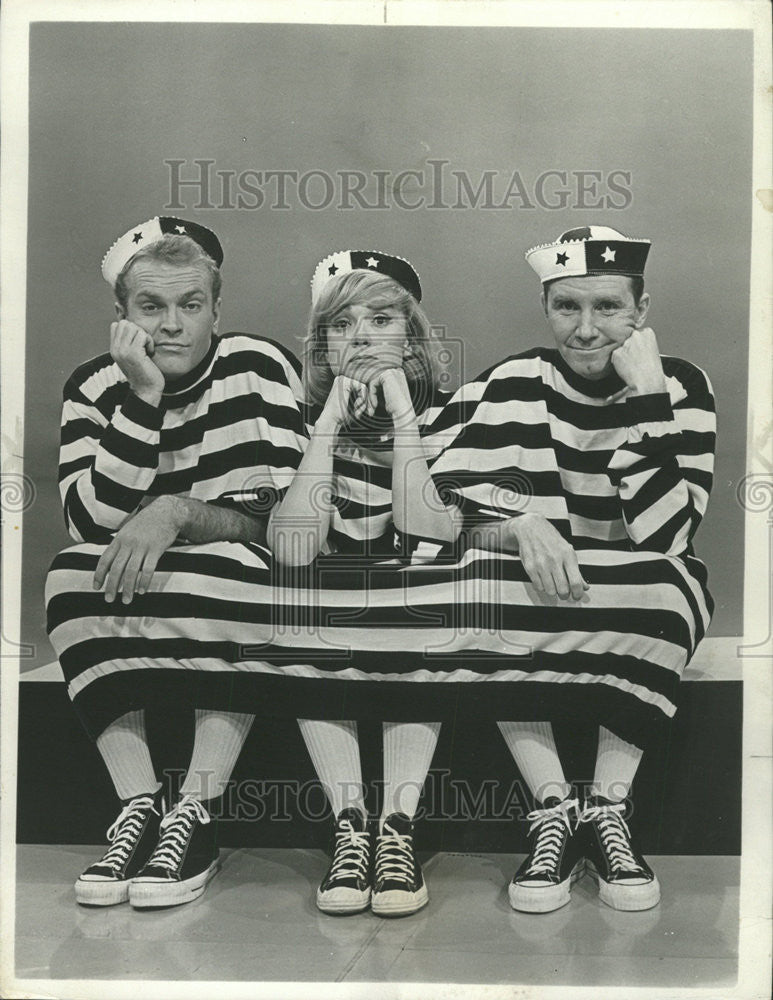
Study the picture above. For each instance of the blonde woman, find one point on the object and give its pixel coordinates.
(364, 488)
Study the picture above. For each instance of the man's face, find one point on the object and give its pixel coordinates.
(591, 316)
(174, 305)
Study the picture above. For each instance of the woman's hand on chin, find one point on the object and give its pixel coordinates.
(394, 389)
(347, 398)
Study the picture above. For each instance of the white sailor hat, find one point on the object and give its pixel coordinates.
(147, 233)
(374, 261)
(589, 250)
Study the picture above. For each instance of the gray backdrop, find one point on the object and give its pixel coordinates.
(110, 103)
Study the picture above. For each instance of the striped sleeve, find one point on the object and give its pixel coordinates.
(108, 457)
(499, 460)
(445, 435)
(264, 381)
(664, 469)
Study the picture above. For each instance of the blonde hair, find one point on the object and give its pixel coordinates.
(421, 367)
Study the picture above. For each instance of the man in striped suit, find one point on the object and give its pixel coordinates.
(173, 445)
(616, 445)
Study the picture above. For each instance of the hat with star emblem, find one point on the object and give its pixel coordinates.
(589, 250)
(346, 261)
(146, 233)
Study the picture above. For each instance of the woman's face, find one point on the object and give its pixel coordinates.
(364, 340)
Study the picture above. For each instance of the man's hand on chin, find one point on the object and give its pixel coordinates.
(132, 349)
(129, 561)
(637, 362)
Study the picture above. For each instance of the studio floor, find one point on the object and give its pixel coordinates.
(257, 922)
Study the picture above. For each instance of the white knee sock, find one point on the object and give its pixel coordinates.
(533, 747)
(335, 754)
(408, 750)
(124, 748)
(616, 764)
(217, 743)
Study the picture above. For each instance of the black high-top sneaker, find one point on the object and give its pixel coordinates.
(554, 862)
(398, 885)
(184, 861)
(625, 880)
(132, 838)
(346, 886)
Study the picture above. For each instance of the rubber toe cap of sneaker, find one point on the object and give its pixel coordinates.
(343, 898)
(397, 901)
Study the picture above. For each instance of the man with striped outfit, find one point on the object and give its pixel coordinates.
(174, 446)
(615, 445)
(566, 471)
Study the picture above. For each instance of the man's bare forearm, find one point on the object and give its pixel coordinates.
(549, 560)
(494, 536)
(200, 522)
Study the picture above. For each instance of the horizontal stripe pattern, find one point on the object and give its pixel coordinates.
(226, 608)
(627, 483)
(235, 435)
(361, 520)
(637, 472)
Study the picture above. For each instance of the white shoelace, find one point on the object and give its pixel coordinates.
(177, 826)
(125, 831)
(614, 834)
(394, 856)
(352, 849)
(552, 825)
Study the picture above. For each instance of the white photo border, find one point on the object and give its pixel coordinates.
(755, 891)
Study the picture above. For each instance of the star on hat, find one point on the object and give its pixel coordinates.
(147, 233)
(345, 261)
(589, 250)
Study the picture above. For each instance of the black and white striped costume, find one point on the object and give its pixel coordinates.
(422, 632)
(230, 433)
